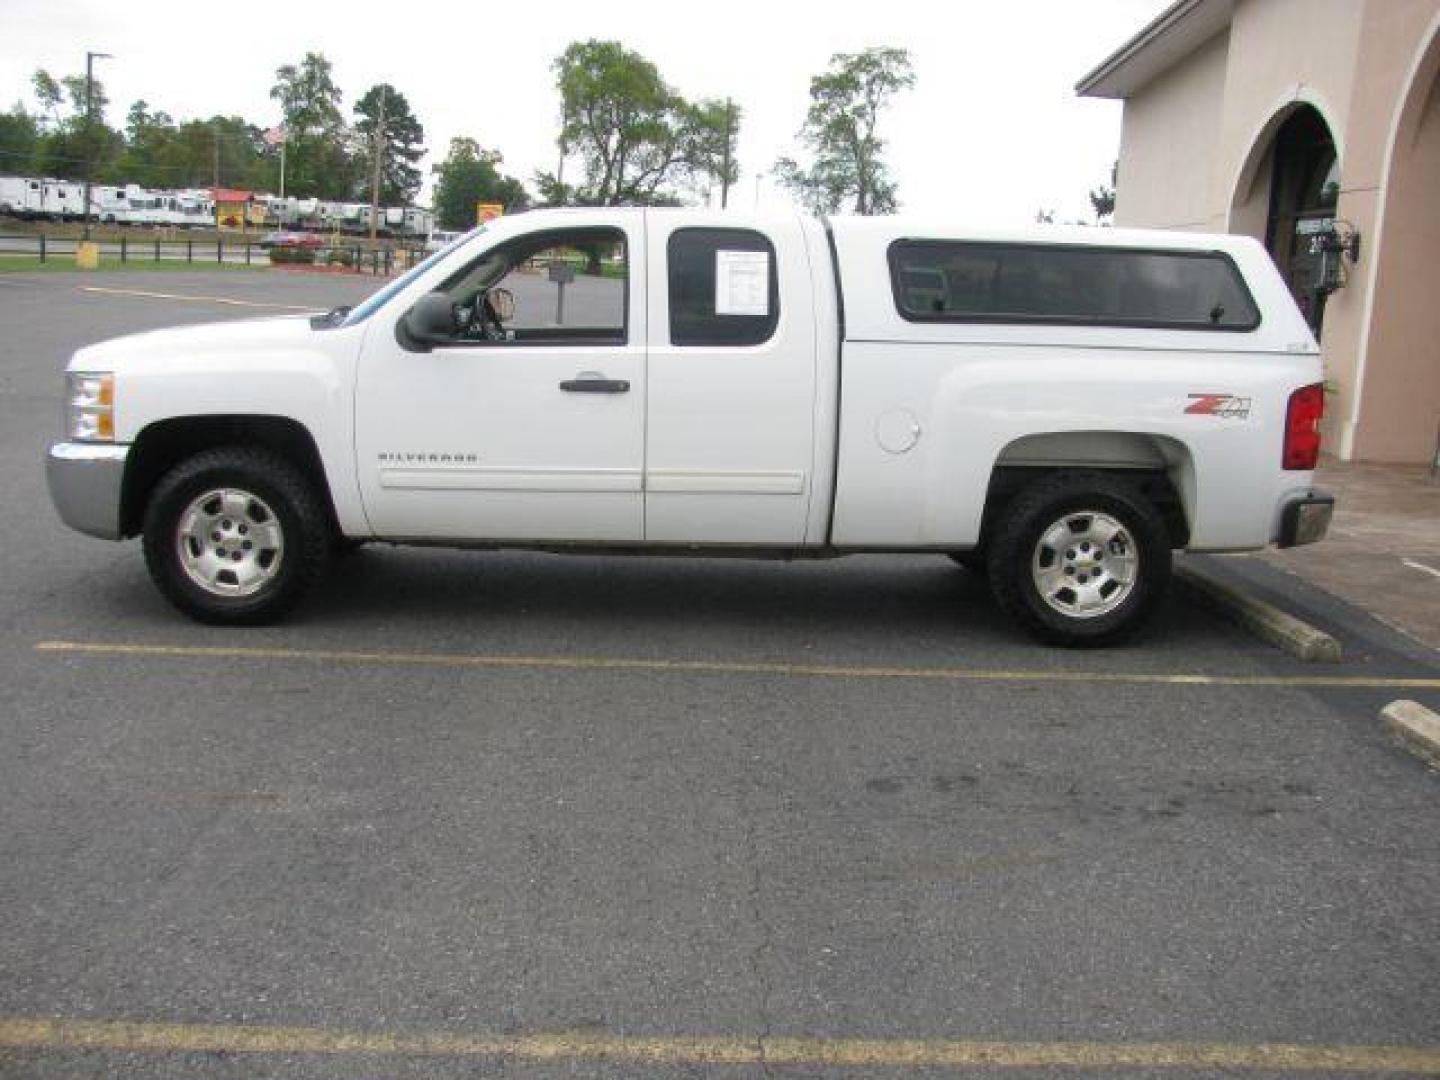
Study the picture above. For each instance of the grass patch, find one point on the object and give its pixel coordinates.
(65, 264)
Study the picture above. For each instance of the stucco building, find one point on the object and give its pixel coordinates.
(1314, 126)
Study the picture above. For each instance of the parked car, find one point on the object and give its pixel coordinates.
(1061, 408)
(285, 239)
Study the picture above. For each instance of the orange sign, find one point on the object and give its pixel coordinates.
(487, 211)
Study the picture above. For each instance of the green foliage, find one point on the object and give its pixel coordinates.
(322, 160)
(308, 96)
(404, 140)
(840, 131)
(19, 140)
(152, 155)
(160, 153)
(49, 95)
(69, 136)
(636, 138)
(75, 91)
(302, 256)
(470, 175)
(1102, 201)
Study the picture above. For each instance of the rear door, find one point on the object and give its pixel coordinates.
(732, 382)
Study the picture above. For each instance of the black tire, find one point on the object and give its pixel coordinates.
(286, 504)
(1022, 551)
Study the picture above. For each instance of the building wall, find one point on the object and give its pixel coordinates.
(1167, 144)
(1399, 366)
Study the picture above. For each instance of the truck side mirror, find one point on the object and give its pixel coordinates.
(430, 322)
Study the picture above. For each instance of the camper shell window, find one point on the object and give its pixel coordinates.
(966, 281)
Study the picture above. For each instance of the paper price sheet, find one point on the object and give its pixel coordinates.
(742, 283)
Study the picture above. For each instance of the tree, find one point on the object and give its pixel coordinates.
(403, 139)
(840, 131)
(470, 175)
(1102, 199)
(716, 129)
(152, 156)
(636, 138)
(19, 138)
(67, 142)
(49, 95)
(321, 159)
(98, 101)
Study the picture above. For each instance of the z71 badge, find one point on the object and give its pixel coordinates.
(1226, 406)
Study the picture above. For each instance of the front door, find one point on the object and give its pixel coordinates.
(529, 423)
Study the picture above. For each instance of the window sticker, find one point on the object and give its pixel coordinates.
(742, 283)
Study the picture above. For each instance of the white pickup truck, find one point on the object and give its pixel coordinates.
(1056, 408)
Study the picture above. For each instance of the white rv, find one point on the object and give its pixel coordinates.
(20, 196)
(61, 200)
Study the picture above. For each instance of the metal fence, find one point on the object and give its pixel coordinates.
(353, 257)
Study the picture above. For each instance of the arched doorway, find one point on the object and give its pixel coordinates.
(1304, 188)
(1396, 414)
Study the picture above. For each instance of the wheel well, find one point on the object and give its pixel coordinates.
(162, 445)
(1157, 485)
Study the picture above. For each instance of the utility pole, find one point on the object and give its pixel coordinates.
(725, 166)
(90, 58)
(375, 168)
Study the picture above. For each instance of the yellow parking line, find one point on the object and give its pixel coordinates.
(196, 299)
(725, 667)
(55, 1034)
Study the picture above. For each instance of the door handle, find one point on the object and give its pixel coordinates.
(593, 385)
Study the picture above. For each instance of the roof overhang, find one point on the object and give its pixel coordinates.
(1174, 34)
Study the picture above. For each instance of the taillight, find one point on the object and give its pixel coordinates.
(1302, 427)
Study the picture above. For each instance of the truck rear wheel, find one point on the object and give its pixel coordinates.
(1079, 559)
(235, 536)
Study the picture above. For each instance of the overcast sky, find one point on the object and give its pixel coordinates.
(992, 130)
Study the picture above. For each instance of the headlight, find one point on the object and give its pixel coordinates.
(89, 406)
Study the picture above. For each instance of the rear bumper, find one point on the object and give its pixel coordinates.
(85, 481)
(1306, 519)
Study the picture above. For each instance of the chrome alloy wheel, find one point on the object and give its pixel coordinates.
(1085, 564)
(230, 542)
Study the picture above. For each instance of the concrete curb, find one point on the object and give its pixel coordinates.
(1415, 727)
(1264, 620)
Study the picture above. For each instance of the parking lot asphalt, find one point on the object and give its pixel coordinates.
(483, 814)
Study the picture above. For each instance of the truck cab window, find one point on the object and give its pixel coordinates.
(723, 288)
(558, 287)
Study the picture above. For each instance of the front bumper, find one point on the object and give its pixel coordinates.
(85, 481)
(1306, 519)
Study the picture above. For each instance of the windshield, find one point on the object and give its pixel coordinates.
(373, 304)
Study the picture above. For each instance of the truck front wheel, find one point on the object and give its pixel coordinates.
(1079, 559)
(235, 536)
